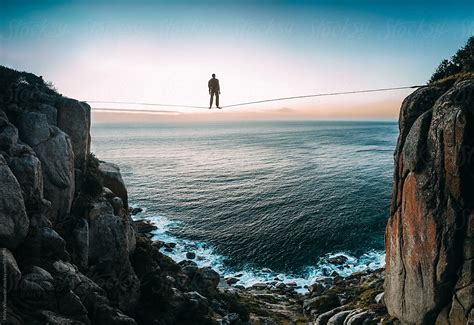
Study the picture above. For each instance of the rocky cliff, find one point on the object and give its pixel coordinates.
(430, 233)
(70, 251)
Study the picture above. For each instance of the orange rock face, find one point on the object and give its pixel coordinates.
(429, 237)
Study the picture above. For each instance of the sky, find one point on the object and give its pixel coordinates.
(166, 51)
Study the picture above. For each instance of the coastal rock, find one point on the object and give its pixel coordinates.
(27, 169)
(337, 260)
(13, 273)
(74, 119)
(37, 289)
(113, 180)
(50, 112)
(357, 317)
(80, 243)
(144, 226)
(33, 128)
(42, 154)
(109, 249)
(428, 229)
(339, 318)
(326, 316)
(57, 161)
(379, 298)
(117, 205)
(13, 219)
(205, 281)
(45, 242)
(8, 133)
(320, 304)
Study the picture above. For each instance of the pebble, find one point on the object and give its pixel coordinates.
(337, 260)
(260, 286)
(231, 280)
(170, 245)
(136, 211)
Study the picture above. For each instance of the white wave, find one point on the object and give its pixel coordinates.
(248, 276)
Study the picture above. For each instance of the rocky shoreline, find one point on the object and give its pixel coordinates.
(331, 299)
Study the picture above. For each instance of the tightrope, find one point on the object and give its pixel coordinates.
(259, 101)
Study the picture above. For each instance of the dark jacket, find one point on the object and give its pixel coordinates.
(213, 85)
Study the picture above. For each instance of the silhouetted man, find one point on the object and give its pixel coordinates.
(214, 89)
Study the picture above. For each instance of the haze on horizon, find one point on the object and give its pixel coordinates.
(165, 52)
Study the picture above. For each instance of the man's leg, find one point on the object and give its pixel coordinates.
(217, 100)
(212, 97)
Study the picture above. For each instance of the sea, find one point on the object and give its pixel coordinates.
(260, 200)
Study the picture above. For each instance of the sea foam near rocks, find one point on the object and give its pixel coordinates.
(248, 276)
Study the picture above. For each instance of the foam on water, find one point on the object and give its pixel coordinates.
(248, 276)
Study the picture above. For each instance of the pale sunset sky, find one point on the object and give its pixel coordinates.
(166, 51)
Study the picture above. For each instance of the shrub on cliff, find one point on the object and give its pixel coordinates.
(461, 62)
(13, 80)
(93, 182)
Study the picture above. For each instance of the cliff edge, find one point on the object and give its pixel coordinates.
(430, 233)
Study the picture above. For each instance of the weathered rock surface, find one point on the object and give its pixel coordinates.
(13, 219)
(28, 171)
(113, 181)
(13, 273)
(57, 161)
(74, 119)
(8, 133)
(429, 234)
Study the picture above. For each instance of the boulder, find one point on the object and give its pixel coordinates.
(98, 306)
(8, 133)
(57, 161)
(428, 235)
(110, 245)
(74, 119)
(117, 205)
(45, 242)
(379, 298)
(33, 128)
(80, 243)
(50, 112)
(338, 318)
(113, 181)
(321, 303)
(27, 169)
(205, 280)
(357, 317)
(36, 289)
(326, 316)
(337, 260)
(13, 273)
(144, 226)
(14, 222)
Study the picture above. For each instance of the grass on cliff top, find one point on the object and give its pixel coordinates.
(11, 79)
(454, 79)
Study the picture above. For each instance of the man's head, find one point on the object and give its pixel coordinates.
(213, 75)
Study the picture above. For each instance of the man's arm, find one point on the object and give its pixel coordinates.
(209, 86)
(218, 87)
